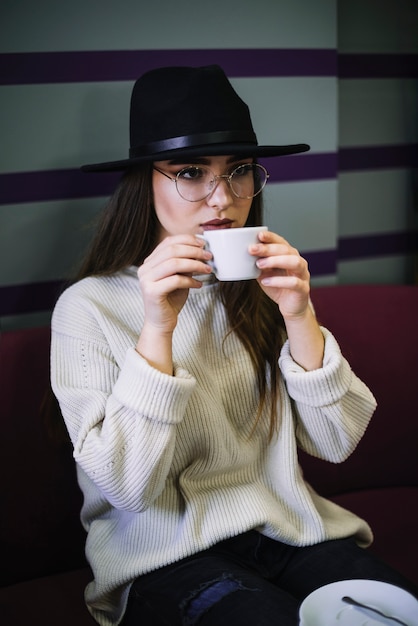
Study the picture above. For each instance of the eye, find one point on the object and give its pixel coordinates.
(191, 173)
(243, 170)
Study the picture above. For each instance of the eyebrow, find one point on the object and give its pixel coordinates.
(204, 160)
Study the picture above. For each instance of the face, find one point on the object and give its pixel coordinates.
(221, 209)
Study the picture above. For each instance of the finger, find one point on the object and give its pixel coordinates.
(187, 240)
(172, 252)
(268, 236)
(171, 267)
(155, 290)
(292, 262)
(289, 282)
(281, 247)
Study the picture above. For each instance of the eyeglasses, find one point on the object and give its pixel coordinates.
(197, 182)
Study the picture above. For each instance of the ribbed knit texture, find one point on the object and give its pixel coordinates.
(165, 463)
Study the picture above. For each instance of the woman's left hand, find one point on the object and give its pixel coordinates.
(285, 277)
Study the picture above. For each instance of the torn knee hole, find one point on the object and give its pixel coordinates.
(206, 596)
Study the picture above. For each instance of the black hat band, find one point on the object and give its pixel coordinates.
(189, 141)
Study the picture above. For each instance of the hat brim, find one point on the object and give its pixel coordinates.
(239, 149)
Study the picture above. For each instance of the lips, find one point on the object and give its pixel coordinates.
(217, 224)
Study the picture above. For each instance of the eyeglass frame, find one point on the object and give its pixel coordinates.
(216, 177)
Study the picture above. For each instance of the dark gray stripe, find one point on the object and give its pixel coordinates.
(378, 157)
(378, 65)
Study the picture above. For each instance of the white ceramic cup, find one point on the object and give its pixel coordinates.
(229, 246)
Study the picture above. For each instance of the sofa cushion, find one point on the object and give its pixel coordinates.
(393, 515)
(40, 530)
(50, 601)
(376, 326)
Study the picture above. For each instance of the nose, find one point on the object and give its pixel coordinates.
(221, 195)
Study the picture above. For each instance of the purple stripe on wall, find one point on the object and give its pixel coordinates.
(114, 65)
(20, 187)
(19, 299)
(30, 298)
(321, 262)
(378, 157)
(378, 66)
(35, 297)
(302, 167)
(386, 244)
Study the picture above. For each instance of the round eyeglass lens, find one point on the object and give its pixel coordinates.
(248, 180)
(194, 183)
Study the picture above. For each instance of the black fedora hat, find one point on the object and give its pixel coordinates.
(188, 112)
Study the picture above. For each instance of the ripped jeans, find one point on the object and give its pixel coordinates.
(249, 580)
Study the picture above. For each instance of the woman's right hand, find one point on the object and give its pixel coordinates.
(165, 278)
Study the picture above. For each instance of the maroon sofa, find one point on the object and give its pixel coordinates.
(43, 569)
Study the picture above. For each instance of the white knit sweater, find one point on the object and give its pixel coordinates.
(165, 463)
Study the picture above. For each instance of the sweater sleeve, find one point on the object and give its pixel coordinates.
(121, 419)
(332, 405)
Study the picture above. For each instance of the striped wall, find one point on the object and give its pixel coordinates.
(65, 82)
(378, 140)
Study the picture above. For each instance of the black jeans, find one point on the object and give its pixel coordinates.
(248, 580)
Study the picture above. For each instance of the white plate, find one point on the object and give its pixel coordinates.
(324, 606)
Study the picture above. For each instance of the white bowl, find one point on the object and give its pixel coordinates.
(324, 606)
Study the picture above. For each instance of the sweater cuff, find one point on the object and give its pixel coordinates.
(150, 392)
(322, 386)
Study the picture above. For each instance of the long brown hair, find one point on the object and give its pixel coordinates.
(126, 234)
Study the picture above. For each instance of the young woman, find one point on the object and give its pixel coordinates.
(186, 398)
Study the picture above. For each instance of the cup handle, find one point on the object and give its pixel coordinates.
(207, 247)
